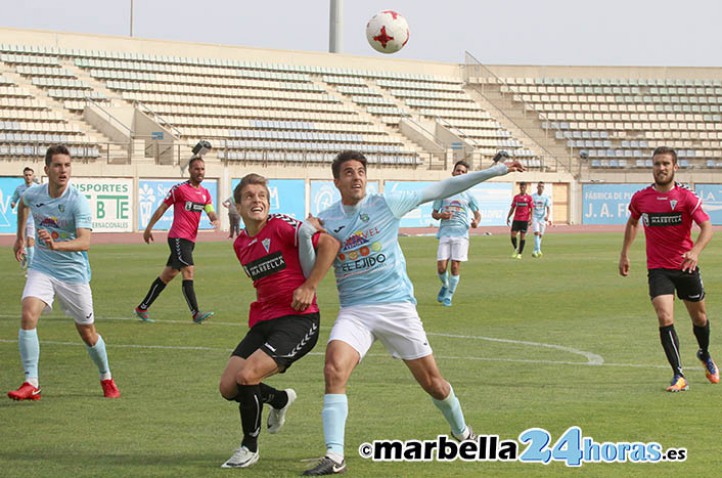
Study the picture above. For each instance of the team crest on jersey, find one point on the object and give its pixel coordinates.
(673, 203)
(61, 208)
(364, 217)
(266, 244)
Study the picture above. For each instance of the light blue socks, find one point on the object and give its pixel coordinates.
(451, 408)
(100, 358)
(29, 354)
(335, 411)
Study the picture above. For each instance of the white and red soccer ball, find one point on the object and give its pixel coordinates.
(387, 31)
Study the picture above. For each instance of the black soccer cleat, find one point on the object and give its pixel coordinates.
(326, 467)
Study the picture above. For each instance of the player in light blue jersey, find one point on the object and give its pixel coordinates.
(29, 177)
(60, 269)
(541, 216)
(453, 235)
(377, 297)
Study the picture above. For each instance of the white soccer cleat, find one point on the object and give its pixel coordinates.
(276, 418)
(242, 458)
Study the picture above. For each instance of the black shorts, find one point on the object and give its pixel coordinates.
(689, 287)
(520, 226)
(181, 253)
(285, 339)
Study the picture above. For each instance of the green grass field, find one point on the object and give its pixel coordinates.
(521, 345)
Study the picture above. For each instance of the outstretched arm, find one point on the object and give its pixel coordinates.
(456, 184)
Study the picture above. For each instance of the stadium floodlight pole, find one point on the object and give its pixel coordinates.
(131, 18)
(335, 29)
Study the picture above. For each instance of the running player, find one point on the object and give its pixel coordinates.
(277, 253)
(668, 210)
(541, 216)
(453, 235)
(29, 177)
(188, 199)
(521, 207)
(60, 269)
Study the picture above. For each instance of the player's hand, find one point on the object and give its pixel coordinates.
(508, 221)
(19, 249)
(515, 166)
(216, 224)
(624, 266)
(474, 223)
(689, 262)
(45, 236)
(315, 222)
(445, 215)
(148, 236)
(302, 297)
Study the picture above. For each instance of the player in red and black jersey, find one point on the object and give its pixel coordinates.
(668, 210)
(188, 200)
(521, 206)
(285, 261)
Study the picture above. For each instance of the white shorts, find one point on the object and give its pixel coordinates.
(76, 299)
(397, 326)
(30, 229)
(538, 226)
(454, 248)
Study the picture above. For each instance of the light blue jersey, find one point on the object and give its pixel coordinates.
(370, 267)
(459, 205)
(541, 202)
(17, 194)
(60, 217)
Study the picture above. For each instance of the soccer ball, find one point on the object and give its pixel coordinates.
(387, 31)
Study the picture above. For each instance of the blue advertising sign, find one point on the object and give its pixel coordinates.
(607, 203)
(288, 196)
(711, 195)
(151, 193)
(8, 215)
(494, 200)
(324, 193)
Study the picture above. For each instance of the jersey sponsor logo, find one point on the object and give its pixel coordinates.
(265, 266)
(359, 238)
(50, 222)
(194, 206)
(662, 219)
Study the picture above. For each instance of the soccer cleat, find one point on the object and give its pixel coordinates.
(514, 255)
(110, 390)
(199, 316)
(143, 315)
(710, 368)
(27, 391)
(540, 253)
(276, 418)
(679, 384)
(242, 458)
(467, 435)
(326, 467)
(518, 256)
(535, 254)
(447, 302)
(442, 294)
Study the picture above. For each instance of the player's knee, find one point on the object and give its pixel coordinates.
(334, 374)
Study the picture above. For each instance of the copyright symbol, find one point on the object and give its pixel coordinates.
(366, 450)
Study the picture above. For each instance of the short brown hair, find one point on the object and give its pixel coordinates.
(248, 179)
(666, 150)
(461, 162)
(344, 156)
(53, 150)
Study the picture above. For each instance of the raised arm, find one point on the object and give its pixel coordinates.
(456, 184)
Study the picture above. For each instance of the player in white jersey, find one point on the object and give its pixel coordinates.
(29, 177)
(541, 216)
(453, 235)
(377, 297)
(60, 269)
